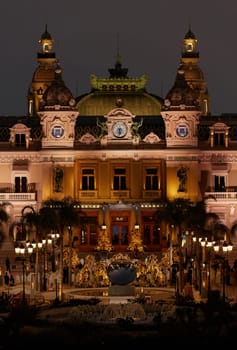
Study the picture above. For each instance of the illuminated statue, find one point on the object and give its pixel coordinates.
(58, 179)
(182, 174)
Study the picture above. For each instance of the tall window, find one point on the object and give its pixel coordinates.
(88, 232)
(205, 106)
(189, 47)
(119, 179)
(20, 140)
(119, 231)
(88, 179)
(219, 183)
(219, 135)
(219, 139)
(20, 184)
(151, 231)
(151, 180)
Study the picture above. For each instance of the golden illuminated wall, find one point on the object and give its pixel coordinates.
(104, 183)
(49, 188)
(46, 182)
(168, 180)
(135, 180)
(192, 188)
(69, 182)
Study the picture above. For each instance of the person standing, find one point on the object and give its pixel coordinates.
(8, 265)
(7, 278)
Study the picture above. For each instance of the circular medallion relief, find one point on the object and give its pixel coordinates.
(182, 130)
(57, 131)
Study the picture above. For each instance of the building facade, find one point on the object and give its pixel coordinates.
(120, 151)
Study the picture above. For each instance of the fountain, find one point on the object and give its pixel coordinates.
(121, 272)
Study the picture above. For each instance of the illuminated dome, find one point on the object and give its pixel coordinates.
(57, 93)
(131, 91)
(192, 72)
(181, 94)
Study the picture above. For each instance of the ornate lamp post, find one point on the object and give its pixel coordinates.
(70, 255)
(55, 237)
(37, 246)
(45, 243)
(226, 248)
(23, 251)
(197, 262)
(207, 246)
(202, 264)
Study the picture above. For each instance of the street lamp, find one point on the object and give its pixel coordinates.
(226, 248)
(198, 261)
(70, 255)
(207, 246)
(22, 252)
(202, 263)
(37, 246)
(45, 243)
(55, 237)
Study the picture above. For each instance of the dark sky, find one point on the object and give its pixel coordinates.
(149, 35)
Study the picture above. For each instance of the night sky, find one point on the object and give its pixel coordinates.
(148, 35)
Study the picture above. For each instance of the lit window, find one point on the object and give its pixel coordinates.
(219, 183)
(20, 184)
(88, 179)
(190, 47)
(119, 230)
(20, 140)
(219, 139)
(88, 231)
(151, 180)
(119, 179)
(46, 47)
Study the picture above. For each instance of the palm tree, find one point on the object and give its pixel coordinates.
(4, 219)
(176, 214)
(185, 216)
(61, 216)
(188, 217)
(32, 222)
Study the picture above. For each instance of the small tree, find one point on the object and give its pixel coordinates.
(104, 242)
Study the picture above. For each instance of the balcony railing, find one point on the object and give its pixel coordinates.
(120, 194)
(150, 195)
(227, 195)
(10, 197)
(88, 194)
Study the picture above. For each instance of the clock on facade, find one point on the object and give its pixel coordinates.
(119, 129)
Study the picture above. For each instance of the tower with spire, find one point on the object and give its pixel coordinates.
(58, 114)
(193, 73)
(43, 74)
